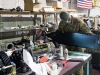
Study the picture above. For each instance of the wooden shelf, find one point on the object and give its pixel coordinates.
(9, 12)
(38, 13)
(71, 10)
(36, 3)
(64, 9)
(27, 13)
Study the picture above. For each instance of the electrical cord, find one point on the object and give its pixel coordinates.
(5, 5)
(14, 3)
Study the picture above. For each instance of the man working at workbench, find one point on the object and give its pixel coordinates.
(72, 24)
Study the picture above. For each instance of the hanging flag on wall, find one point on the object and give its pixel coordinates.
(84, 4)
(95, 3)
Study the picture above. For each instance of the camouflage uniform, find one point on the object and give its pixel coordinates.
(76, 26)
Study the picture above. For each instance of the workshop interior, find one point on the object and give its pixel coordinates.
(49, 37)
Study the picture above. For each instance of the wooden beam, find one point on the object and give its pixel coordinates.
(41, 13)
(70, 10)
(95, 24)
(64, 9)
(38, 13)
(55, 18)
(26, 12)
(9, 12)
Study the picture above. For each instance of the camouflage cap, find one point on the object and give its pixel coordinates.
(64, 16)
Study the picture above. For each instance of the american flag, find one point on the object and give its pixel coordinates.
(64, 0)
(85, 4)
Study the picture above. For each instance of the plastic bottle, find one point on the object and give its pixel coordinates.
(23, 45)
(49, 47)
(54, 69)
(61, 50)
(66, 54)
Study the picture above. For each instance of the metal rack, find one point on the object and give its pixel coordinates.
(16, 33)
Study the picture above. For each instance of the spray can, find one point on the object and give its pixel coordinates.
(66, 54)
(61, 50)
(49, 47)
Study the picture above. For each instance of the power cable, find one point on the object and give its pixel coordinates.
(4, 3)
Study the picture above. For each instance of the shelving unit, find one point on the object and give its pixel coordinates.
(14, 33)
(25, 12)
(23, 32)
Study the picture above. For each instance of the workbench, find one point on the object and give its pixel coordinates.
(76, 62)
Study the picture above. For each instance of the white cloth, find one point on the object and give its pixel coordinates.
(39, 69)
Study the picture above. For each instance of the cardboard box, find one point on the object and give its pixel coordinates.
(30, 6)
(57, 5)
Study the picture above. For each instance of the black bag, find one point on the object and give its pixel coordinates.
(96, 61)
(16, 57)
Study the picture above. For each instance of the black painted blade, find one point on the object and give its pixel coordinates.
(76, 39)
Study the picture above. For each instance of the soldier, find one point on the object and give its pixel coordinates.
(73, 24)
